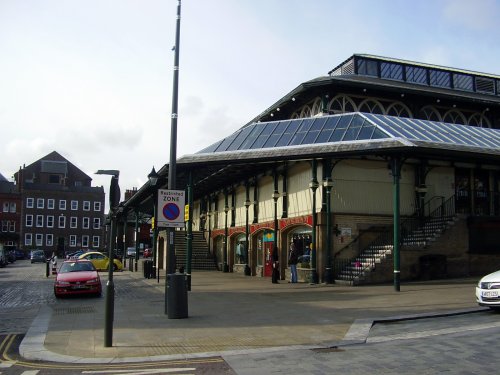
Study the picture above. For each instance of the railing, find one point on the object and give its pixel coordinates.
(386, 239)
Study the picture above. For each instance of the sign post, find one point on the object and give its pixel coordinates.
(171, 205)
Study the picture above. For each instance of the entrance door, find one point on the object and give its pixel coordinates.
(268, 259)
(60, 247)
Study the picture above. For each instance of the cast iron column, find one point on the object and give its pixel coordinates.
(396, 174)
(225, 266)
(189, 234)
(314, 186)
(247, 228)
(328, 277)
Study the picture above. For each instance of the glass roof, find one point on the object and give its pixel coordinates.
(353, 127)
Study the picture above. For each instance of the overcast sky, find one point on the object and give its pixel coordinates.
(92, 79)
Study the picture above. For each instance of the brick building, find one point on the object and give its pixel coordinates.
(61, 212)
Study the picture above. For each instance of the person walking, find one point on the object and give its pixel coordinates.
(293, 258)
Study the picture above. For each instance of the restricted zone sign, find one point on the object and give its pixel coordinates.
(171, 208)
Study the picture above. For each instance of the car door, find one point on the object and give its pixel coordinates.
(100, 261)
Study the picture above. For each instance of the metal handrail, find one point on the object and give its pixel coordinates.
(386, 239)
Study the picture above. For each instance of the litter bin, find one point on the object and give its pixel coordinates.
(148, 269)
(177, 303)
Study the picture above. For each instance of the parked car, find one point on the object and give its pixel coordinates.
(148, 253)
(11, 256)
(3, 257)
(38, 256)
(131, 251)
(77, 277)
(20, 254)
(101, 261)
(488, 291)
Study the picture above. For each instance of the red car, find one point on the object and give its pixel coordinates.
(77, 277)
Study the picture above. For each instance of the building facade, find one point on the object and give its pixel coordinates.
(61, 212)
(383, 166)
(10, 214)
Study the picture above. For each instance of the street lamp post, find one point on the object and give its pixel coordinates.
(172, 299)
(153, 180)
(247, 230)
(328, 184)
(314, 186)
(114, 200)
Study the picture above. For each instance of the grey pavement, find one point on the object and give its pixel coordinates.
(236, 317)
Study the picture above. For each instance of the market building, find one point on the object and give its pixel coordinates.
(383, 168)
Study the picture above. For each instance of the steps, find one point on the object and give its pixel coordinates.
(201, 259)
(357, 270)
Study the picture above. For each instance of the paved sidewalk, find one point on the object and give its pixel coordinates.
(230, 314)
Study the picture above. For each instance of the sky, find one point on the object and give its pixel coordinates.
(92, 79)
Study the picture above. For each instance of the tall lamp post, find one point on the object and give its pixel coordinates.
(313, 185)
(109, 311)
(328, 184)
(153, 180)
(172, 300)
(247, 230)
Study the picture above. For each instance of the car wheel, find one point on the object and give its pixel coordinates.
(115, 267)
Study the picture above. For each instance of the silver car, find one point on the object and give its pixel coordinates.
(488, 291)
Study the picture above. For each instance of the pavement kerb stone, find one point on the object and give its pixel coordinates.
(32, 346)
(359, 331)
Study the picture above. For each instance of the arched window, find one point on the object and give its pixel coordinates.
(306, 111)
(371, 106)
(341, 104)
(429, 113)
(399, 109)
(454, 117)
(316, 107)
(479, 119)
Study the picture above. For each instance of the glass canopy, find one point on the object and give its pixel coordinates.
(350, 127)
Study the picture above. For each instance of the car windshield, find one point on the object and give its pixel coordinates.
(76, 267)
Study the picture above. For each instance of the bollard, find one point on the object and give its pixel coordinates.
(177, 299)
(47, 269)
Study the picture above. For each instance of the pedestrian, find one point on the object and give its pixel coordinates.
(53, 259)
(276, 266)
(292, 262)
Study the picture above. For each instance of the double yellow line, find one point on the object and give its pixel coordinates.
(7, 342)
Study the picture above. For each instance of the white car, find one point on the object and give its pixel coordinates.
(488, 291)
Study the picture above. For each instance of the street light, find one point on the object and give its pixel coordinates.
(328, 184)
(314, 186)
(153, 180)
(114, 200)
(247, 206)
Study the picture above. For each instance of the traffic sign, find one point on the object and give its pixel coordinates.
(170, 206)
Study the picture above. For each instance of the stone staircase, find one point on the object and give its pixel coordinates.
(201, 259)
(357, 270)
